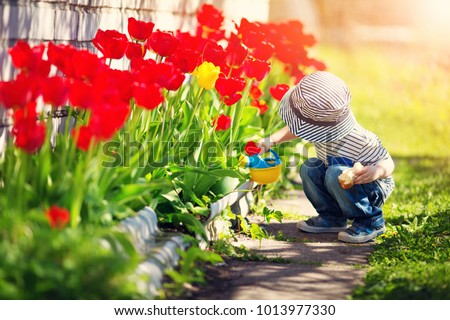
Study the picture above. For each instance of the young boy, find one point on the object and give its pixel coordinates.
(317, 109)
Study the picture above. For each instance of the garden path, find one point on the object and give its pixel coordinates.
(297, 266)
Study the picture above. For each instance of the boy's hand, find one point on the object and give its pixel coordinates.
(282, 135)
(265, 144)
(367, 174)
(381, 170)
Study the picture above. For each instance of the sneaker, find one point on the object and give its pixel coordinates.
(320, 225)
(360, 234)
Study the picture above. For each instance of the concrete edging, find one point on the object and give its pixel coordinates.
(160, 248)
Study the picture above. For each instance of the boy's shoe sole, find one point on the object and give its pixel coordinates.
(303, 226)
(347, 237)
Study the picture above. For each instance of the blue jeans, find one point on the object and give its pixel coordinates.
(362, 203)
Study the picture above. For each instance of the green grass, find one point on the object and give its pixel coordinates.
(412, 260)
(403, 96)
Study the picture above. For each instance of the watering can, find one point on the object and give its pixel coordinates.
(262, 170)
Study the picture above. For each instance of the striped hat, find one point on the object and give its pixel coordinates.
(317, 109)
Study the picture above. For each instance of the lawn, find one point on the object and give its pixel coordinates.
(403, 96)
(412, 260)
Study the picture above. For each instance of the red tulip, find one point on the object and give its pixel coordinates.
(251, 33)
(256, 69)
(226, 87)
(297, 74)
(139, 30)
(42, 69)
(55, 91)
(290, 43)
(255, 92)
(81, 94)
(214, 53)
(292, 31)
(113, 87)
(261, 105)
(111, 43)
(148, 96)
(137, 64)
(223, 122)
(251, 148)
(235, 54)
(86, 65)
(230, 100)
(191, 42)
(175, 81)
(316, 64)
(263, 50)
(17, 93)
(29, 133)
(237, 72)
(22, 55)
(30, 59)
(279, 91)
(143, 70)
(253, 39)
(168, 76)
(83, 137)
(209, 17)
(112, 91)
(107, 118)
(163, 43)
(57, 217)
(1, 92)
(292, 55)
(185, 59)
(229, 89)
(61, 57)
(135, 50)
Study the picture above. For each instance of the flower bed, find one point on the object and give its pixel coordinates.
(165, 134)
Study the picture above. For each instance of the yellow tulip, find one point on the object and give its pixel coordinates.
(207, 74)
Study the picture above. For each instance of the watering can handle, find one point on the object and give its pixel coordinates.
(275, 155)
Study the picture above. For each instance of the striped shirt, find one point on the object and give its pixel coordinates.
(360, 145)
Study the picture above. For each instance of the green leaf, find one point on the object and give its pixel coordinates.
(224, 185)
(270, 214)
(250, 117)
(258, 233)
(190, 222)
(249, 133)
(188, 109)
(130, 192)
(204, 184)
(178, 170)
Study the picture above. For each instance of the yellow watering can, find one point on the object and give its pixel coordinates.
(262, 170)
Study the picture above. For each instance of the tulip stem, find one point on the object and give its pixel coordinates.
(136, 115)
(79, 185)
(214, 126)
(237, 115)
(194, 110)
(161, 138)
